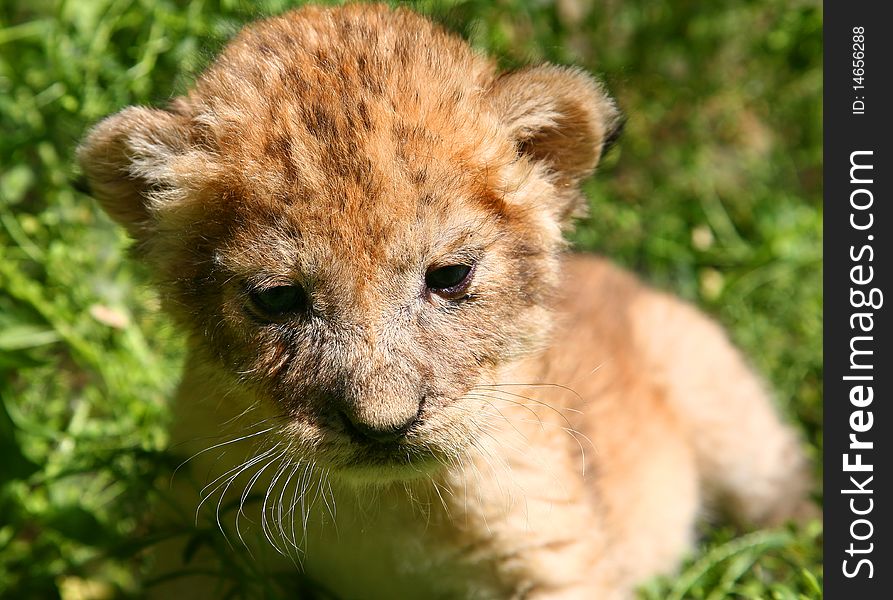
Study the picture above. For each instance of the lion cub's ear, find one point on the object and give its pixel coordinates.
(557, 115)
(129, 162)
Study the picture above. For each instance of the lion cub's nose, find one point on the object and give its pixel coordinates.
(383, 431)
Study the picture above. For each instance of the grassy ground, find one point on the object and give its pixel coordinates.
(714, 192)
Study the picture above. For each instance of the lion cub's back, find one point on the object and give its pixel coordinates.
(673, 408)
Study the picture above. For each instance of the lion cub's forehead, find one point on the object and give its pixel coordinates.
(367, 135)
(342, 110)
(270, 240)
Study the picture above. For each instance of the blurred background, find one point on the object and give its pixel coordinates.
(713, 192)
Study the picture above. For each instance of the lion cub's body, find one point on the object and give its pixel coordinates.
(550, 428)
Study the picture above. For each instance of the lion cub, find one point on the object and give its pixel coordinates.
(358, 222)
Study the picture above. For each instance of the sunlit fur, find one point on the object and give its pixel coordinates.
(570, 427)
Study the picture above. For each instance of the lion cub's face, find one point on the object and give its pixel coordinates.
(357, 219)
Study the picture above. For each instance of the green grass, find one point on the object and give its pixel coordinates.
(714, 192)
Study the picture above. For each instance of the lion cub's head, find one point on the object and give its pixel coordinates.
(357, 218)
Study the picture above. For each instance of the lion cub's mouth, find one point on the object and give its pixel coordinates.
(393, 457)
(388, 464)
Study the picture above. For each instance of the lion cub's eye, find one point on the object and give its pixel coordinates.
(450, 281)
(280, 300)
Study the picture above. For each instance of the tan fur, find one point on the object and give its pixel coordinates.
(570, 427)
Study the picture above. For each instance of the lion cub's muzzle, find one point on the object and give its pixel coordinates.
(379, 409)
